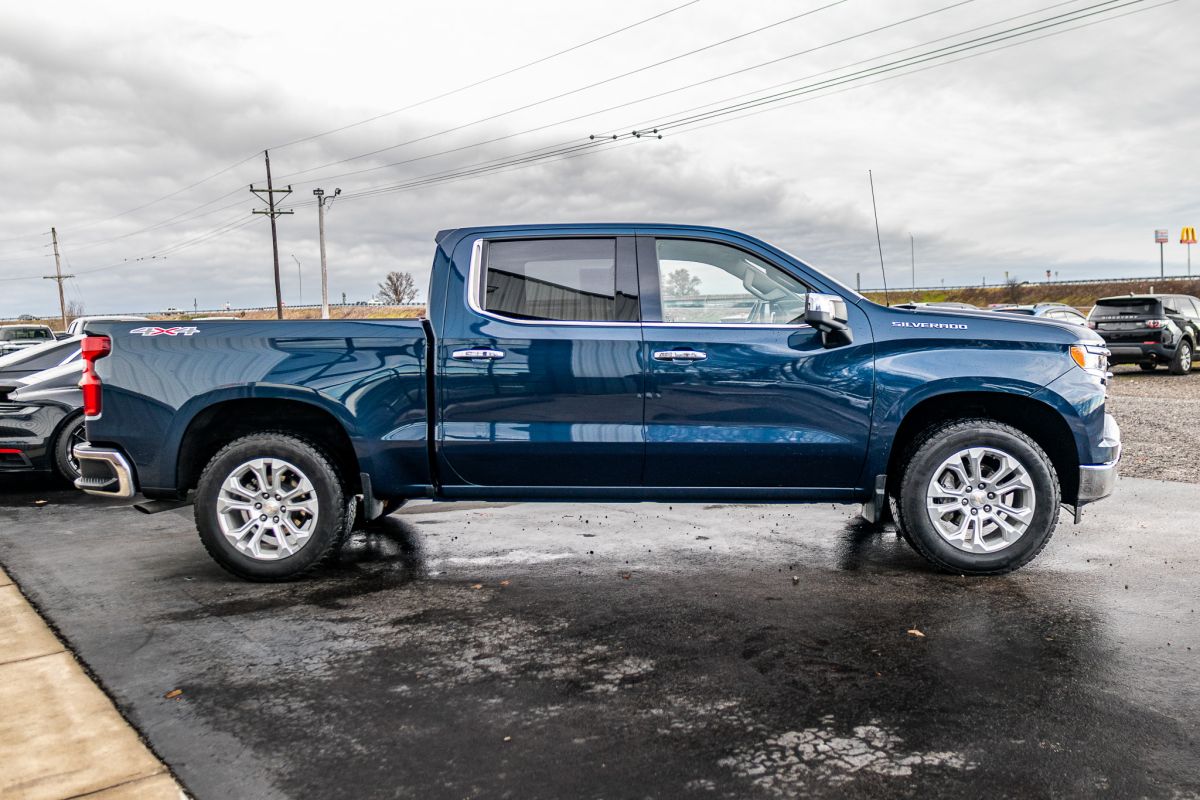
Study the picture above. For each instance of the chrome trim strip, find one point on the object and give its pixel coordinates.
(120, 467)
(473, 278)
(475, 272)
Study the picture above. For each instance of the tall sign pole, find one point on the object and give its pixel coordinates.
(1160, 236)
(270, 193)
(321, 198)
(1188, 237)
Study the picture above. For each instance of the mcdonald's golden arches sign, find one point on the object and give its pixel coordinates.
(1187, 235)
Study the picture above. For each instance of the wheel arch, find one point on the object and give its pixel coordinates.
(1038, 420)
(217, 424)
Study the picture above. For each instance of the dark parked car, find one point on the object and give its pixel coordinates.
(23, 363)
(1149, 329)
(1058, 311)
(41, 418)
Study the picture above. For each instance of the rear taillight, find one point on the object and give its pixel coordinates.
(1091, 324)
(93, 349)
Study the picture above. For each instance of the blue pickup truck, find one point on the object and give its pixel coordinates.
(606, 362)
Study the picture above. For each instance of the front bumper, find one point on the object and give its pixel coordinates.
(104, 471)
(1097, 481)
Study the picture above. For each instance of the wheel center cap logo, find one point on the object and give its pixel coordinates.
(977, 498)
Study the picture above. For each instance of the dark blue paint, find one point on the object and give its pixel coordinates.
(584, 411)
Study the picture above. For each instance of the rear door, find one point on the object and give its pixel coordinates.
(741, 392)
(540, 367)
(1128, 321)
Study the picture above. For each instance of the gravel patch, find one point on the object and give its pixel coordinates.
(1159, 415)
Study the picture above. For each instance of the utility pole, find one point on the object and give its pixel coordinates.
(59, 277)
(912, 244)
(271, 191)
(320, 194)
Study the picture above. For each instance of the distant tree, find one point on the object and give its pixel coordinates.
(682, 283)
(74, 309)
(1012, 288)
(398, 288)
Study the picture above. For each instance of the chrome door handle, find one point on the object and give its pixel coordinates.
(477, 354)
(679, 355)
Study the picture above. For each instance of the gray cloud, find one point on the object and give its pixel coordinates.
(1060, 155)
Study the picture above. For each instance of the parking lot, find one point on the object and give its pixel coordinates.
(630, 650)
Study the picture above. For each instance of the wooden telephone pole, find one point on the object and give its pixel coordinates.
(59, 278)
(272, 211)
(322, 202)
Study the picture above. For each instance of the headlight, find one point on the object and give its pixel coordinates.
(1092, 358)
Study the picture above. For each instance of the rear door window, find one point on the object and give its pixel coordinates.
(567, 280)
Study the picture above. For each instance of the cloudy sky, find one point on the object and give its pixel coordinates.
(136, 129)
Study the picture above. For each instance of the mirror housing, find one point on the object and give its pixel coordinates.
(827, 313)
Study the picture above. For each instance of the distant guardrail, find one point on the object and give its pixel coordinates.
(1077, 282)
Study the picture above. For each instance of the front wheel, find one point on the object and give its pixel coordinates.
(978, 497)
(1181, 364)
(271, 506)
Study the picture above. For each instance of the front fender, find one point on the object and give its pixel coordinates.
(911, 372)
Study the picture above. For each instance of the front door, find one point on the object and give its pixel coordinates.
(540, 370)
(741, 392)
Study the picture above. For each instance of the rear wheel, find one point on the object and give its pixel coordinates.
(71, 434)
(271, 506)
(1181, 363)
(978, 497)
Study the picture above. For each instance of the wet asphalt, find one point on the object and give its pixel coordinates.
(639, 651)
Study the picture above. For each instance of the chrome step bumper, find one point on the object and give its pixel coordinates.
(104, 472)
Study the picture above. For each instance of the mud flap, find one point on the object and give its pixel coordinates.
(876, 509)
(372, 506)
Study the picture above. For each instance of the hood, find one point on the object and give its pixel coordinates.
(985, 323)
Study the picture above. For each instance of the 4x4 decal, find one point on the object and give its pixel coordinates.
(175, 331)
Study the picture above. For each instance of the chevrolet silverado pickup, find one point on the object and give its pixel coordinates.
(606, 363)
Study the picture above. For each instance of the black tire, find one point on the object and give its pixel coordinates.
(333, 507)
(1148, 366)
(941, 442)
(70, 434)
(1181, 362)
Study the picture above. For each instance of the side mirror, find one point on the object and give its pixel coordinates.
(827, 313)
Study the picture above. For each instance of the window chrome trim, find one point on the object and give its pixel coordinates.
(475, 273)
(718, 326)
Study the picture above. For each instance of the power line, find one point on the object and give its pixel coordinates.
(626, 104)
(488, 79)
(960, 47)
(457, 90)
(574, 91)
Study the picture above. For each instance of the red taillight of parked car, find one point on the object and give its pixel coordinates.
(94, 348)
